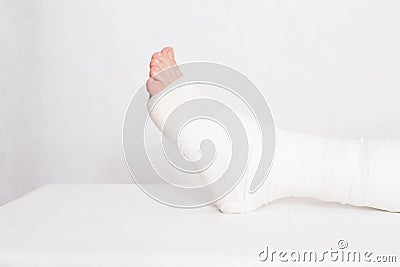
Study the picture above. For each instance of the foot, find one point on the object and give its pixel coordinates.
(163, 70)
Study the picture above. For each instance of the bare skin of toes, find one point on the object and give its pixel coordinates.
(163, 70)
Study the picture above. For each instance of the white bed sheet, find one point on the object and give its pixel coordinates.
(118, 225)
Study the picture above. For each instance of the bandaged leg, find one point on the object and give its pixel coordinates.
(348, 171)
(356, 172)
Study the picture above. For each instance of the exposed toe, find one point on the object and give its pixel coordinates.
(169, 51)
(157, 55)
(154, 70)
(154, 62)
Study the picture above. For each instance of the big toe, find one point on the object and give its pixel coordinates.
(169, 52)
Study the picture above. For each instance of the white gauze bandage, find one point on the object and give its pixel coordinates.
(349, 171)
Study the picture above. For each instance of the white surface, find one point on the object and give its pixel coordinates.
(118, 225)
(69, 68)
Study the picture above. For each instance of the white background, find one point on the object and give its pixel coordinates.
(69, 68)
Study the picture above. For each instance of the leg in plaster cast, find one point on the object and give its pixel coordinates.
(360, 173)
